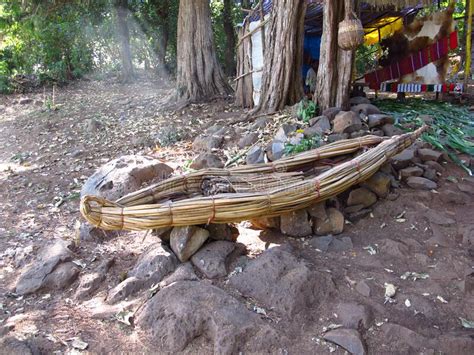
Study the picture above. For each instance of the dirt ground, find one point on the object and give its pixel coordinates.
(46, 155)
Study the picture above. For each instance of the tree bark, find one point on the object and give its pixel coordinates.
(229, 53)
(335, 64)
(282, 82)
(121, 7)
(199, 76)
(161, 8)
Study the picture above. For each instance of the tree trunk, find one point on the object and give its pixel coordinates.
(124, 39)
(335, 64)
(282, 82)
(229, 61)
(162, 12)
(199, 76)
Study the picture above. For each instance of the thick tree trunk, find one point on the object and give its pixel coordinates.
(199, 76)
(335, 64)
(282, 83)
(229, 61)
(121, 7)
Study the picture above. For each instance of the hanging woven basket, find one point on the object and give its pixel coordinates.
(351, 32)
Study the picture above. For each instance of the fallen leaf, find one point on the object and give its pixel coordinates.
(78, 343)
(468, 324)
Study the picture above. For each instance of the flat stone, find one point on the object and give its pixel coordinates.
(429, 155)
(320, 122)
(90, 283)
(296, 224)
(411, 171)
(313, 131)
(379, 183)
(124, 175)
(126, 288)
(248, 140)
(377, 120)
(346, 122)
(363, 288)
(186, 241)
(321, 243)
(403, 159)
(361, 196)
(283, 132)
(348, 339)
(222, 232)
(61, 277)
(207, 160)
(467, 188)
(277, 150)
(331, 244)
(439, 218)
(152, 266)
(354, 315)
(331, 113)
(454, 197)
(333, 224)
(430, 174)
(206, 143)
(365, 109)
(282, 282)
(435, 165)
(211, 258)
(318, 210)
(420, 183)
(255, 155)
(35, 274)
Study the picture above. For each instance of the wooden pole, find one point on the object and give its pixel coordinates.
(467, 71)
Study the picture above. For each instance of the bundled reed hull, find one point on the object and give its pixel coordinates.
(191, 183)
(233, 207)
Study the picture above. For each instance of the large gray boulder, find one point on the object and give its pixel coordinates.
(124, 175)
(187, 310)
(280, 281)
(347, 122)
(152, 267)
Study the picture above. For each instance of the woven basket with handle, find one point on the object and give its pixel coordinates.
(351, 32)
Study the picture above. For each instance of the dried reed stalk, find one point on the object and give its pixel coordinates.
(233, 207)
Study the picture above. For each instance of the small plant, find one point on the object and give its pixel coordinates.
(306, 110)
(304, 145)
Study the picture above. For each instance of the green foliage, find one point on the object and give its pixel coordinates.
(452, 130)
(366, 59)
(307, 109)
(304, 145)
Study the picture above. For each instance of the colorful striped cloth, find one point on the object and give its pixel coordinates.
(412, 63)
(413, 88)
